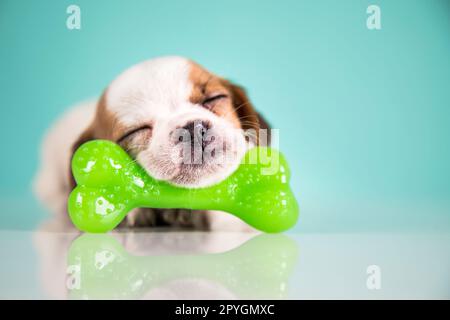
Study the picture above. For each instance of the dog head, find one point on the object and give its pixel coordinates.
(180, 122)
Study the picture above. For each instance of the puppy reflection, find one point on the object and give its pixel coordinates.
(98, 267)
(53, 240)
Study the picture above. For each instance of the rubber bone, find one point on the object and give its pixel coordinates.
(110, 184)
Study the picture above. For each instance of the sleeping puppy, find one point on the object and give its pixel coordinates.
(155, 110)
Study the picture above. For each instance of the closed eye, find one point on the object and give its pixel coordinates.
(209, 102)
(133, 132)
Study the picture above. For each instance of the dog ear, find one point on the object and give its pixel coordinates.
(86, 136)
(248, 116)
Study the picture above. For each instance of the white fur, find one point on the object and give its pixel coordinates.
(149, 90)
(51, 183)
(157, 92)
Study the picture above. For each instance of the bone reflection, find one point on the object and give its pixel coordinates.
(257, 269)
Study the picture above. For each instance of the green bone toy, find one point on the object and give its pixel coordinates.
(110, 184)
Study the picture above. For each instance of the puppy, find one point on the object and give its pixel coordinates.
(156, 110)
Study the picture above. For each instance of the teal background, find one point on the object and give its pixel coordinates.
(363, 115)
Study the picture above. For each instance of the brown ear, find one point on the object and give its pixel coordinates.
(86, 136)
(248, 116)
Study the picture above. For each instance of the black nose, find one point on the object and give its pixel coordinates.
(198, 130)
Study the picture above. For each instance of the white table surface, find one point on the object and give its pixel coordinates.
(150, 264)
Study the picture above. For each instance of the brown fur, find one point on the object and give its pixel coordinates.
(238, 108)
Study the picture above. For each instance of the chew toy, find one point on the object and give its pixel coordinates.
(110, 184)
(99, 267)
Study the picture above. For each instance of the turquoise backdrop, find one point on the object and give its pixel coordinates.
(363, 114)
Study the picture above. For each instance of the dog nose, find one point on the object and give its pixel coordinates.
(197, 130)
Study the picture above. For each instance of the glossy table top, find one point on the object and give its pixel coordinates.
(64, 264)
